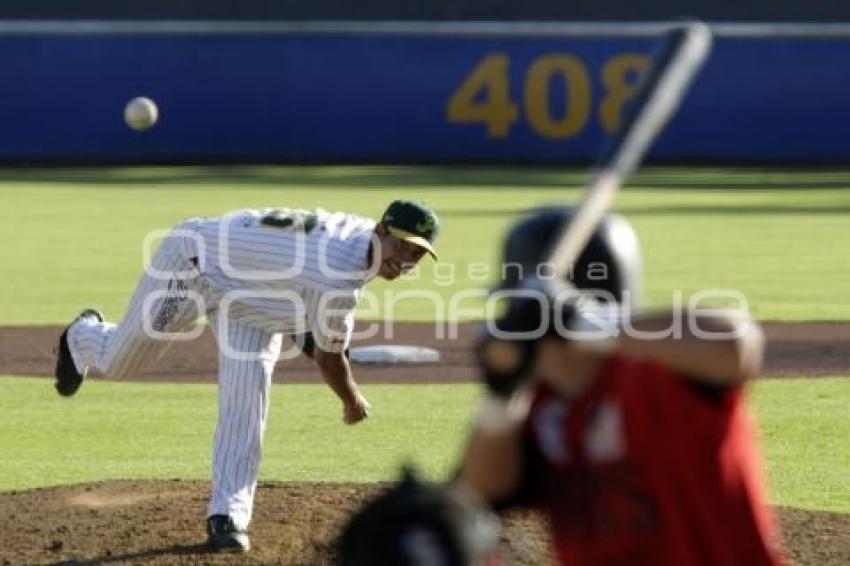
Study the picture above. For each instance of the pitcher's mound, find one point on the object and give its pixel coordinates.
(162, 522)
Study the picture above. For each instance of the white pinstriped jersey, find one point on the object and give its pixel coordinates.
(288, 271)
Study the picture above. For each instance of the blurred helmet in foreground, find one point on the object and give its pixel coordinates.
(610, 263)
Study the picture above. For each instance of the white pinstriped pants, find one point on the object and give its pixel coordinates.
(172, 304)
(243, 405)
(166, 304)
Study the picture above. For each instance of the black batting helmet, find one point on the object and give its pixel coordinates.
(419, 524)
(610, 263)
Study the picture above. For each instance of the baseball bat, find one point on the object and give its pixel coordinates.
(673, 67)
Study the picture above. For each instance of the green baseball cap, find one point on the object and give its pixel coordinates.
(412, 222)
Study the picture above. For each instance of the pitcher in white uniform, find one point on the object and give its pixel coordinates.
(257, 275)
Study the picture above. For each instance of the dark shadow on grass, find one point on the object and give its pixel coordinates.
(173, 550)
(672, 209)
(730, 210)
(424, 177)
(421, 177)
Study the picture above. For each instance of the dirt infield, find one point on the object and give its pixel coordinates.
(151, 522)
(161, 522)
(794, 349)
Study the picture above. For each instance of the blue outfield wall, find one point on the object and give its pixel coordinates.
(387, 97)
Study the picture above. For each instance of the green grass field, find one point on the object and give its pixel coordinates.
(133, 430)
(72, 238)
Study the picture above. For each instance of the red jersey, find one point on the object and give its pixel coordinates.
(645, 468)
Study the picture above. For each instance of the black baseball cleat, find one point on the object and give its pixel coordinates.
(68, 379)
(223, 536)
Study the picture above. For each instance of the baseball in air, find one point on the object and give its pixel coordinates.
(141, 113)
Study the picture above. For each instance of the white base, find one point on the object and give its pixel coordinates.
(387, 354)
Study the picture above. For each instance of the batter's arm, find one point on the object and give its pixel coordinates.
(336, 371)
(492, 466)
(717, 347)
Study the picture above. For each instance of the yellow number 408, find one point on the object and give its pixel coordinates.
(484, 97)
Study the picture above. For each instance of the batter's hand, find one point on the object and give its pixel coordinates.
(506, 352)
(356, 410)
